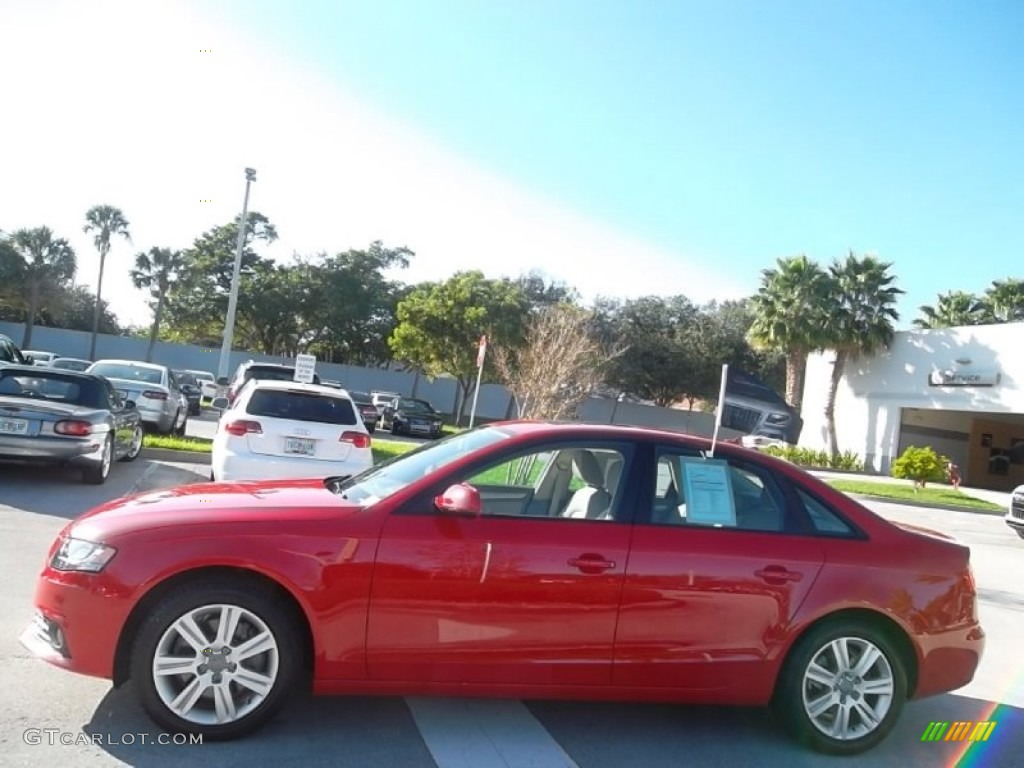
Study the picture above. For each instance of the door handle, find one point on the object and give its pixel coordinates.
(777, 574)
(591, 563)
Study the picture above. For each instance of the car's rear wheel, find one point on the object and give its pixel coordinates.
(179, 429)
(216, 659)
(842, 688)
(98, 472)
(136, 447)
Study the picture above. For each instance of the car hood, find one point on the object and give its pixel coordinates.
(212, 503)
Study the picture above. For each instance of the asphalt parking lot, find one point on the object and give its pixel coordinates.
(386, 732)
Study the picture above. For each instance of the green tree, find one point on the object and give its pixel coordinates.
(349, 307)
(440, 324)
(46, 263)
(860, 322)
(952, 309)
(1003, 301)
(542, 292)
(75, 308)
(790, 310)
(197, 303)
(921, 465)
(660, 361)
(156, 271)
(12, 281)
(104, 222)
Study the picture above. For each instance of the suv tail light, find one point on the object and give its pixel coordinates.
(242, 428)
(150, 394)
(74, 428)
(358, 439)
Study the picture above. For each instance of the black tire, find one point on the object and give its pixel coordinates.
(136, 449)
(97, 474)
(278, 619)
(394, 428)
(180, 431)
(788, 703)
(371, 428)
(1020, 532)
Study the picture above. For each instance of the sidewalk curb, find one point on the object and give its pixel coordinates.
(178, 457)
(924, 505)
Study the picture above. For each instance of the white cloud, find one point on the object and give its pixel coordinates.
(113, 102)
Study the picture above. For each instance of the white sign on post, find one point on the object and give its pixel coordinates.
(305, 366)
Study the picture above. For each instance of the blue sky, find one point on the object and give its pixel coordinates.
(627, 147)
(743, 130)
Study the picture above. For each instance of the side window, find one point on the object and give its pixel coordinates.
(824, 519)
(578, 482)
(691, 490)
(6, 352)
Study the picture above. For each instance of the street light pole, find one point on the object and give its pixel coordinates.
(229, 323)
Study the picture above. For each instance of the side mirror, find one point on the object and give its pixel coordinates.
(219, 403)
(222, 381)
(460, 499)
(29, 360)
(129, 405)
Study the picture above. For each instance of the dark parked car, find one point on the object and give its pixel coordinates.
(364, 402)
(192, 390)
(409, 416)
(253, 370)
(63, 417)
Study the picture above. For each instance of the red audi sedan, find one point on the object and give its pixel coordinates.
(525, 560)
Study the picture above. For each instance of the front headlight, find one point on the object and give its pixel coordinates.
(81, 555)
(777, 418)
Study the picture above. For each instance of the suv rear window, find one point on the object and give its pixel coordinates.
(301, 406)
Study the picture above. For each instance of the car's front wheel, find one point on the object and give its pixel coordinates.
(216, 659)
(842, 688)
(1020, 532)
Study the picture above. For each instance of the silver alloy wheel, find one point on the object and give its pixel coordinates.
(848, 688)
(215, 664)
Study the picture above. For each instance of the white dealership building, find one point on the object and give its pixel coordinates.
(958, 390)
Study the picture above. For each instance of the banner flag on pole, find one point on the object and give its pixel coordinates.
(481, 351)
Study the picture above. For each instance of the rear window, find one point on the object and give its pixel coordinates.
(128, 372)
(301, 406)
(274, 374)
(53, 388)
(360, 397)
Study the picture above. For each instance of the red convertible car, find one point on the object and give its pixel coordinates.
(525, 560)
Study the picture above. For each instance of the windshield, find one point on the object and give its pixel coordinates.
(129, 372)
(202, 375)
(71, 365)
(423, 406)
(395, 474)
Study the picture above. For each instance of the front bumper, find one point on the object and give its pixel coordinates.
(77, 623)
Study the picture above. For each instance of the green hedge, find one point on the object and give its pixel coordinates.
(805, 457)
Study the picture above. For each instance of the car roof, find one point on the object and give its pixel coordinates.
(74, 359)
(295, 386)
(134, 363)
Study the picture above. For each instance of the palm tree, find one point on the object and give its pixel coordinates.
(1003, 302)
(789, 313)
(861, 323)
(104, 221)
(953, 309)
(156, 271)
(46, 262)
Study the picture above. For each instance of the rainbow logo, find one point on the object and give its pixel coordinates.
(959, 731)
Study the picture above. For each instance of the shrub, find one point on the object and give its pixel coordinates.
(921, 465)
(805, 457)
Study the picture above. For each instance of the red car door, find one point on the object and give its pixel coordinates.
(526, 593)
(710, 588)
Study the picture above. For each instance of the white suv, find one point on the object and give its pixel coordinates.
(278, 430)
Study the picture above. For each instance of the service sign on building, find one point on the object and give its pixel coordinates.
(305, 366)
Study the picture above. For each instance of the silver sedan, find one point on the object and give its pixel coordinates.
(62, 417)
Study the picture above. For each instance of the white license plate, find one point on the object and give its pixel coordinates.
(13, 427)
(299, 447)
